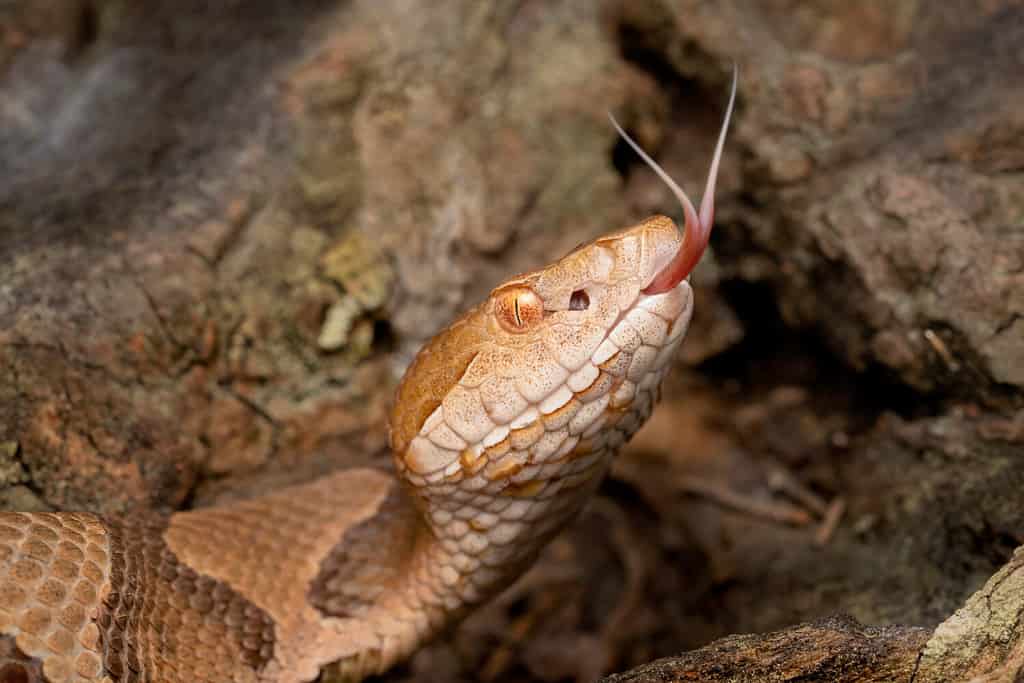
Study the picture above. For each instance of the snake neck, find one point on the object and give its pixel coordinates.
(481, 541)
(446, 555)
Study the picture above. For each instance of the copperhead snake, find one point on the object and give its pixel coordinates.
(503, 427)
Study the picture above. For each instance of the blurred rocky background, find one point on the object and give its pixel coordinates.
(225, 227)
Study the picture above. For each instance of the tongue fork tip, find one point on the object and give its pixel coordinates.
(707, 202)
(697, 227)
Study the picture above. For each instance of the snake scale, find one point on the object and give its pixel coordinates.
(503, 427)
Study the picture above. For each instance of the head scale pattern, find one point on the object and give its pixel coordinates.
(558, 368)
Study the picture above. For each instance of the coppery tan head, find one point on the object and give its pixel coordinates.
(530, 392)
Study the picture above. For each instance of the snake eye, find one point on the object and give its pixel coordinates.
(518, 309)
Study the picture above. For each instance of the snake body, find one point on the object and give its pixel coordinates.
(502, 428)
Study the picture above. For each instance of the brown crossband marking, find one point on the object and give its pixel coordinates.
(88, 600)
(352, 576)
(164, 621)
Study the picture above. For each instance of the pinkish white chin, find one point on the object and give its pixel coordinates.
(697, 227)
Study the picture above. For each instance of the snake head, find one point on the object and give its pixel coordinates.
(555, 364)
(510, 415)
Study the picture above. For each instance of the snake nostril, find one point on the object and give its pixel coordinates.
(579, 301)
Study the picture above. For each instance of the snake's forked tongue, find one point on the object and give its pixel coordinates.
(697, 229)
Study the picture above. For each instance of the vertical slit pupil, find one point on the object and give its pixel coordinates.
(579, 301)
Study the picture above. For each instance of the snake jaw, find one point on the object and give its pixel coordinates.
(697, 226)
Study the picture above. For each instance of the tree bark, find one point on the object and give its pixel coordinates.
(982, 641)
(225, 227)
(837, 649)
